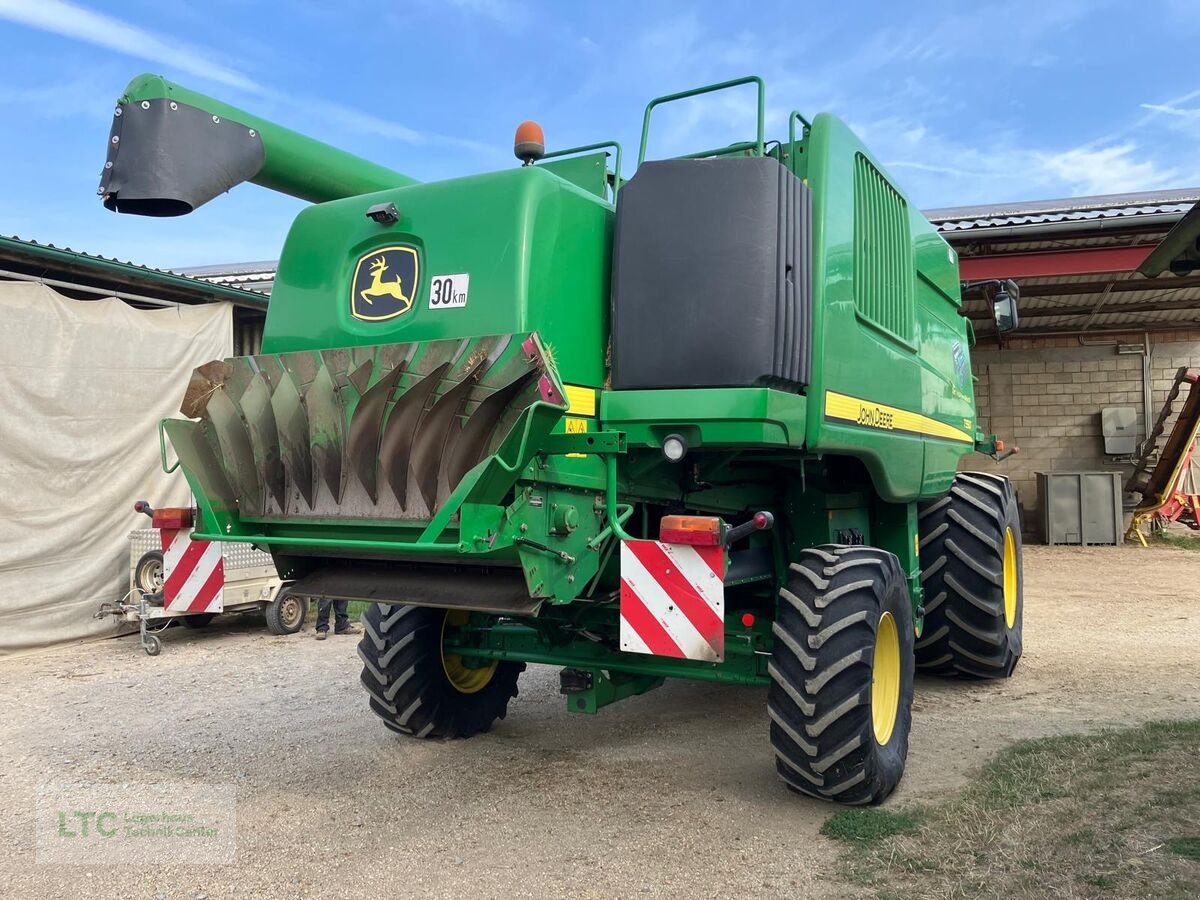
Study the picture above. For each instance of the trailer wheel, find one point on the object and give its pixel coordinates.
(199, 620)
(971, 571)
(285, 613)
(148, 576)
(840, 699)
(416, 688)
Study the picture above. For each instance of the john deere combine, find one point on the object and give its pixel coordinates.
(701, 424)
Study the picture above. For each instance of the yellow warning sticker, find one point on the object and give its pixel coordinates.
(581, 400)
(577, 426)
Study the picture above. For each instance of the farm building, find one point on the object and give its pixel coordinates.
(110, 342)
(1096, 331)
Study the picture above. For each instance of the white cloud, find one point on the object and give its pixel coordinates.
(82, 24)
(947, 170)
(935, 169)
(73, 21)
(1107, 170)
(349, 119)
(1172, 110)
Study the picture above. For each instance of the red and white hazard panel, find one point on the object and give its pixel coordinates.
(193, 573)
(673, 600)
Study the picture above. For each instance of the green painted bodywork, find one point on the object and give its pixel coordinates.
(864, 362)
(293, 164)
(536, 247)
(537, 243)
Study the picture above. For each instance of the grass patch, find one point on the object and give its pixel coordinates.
(354, 610)
(1111, 814)
(1187, 847)
(357, 608)
(1188, 541)
(868, 826)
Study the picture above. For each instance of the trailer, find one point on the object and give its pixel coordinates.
(174, 578)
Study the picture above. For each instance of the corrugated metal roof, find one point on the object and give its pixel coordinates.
(28, 242)
(24, 251)
(1133, 206)
(251, 276)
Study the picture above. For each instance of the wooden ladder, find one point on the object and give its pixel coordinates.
(1143, 476)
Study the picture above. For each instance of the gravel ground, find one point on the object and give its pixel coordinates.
(664, 794)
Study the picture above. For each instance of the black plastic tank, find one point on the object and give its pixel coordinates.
(712, 276)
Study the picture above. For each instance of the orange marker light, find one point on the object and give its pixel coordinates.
(701, 531)
(529, 144)
(172, 517)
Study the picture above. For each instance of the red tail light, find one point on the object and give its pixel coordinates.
(701, 531)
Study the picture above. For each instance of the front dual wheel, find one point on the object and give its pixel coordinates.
(841, 692)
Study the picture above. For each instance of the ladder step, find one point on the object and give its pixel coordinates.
(1148, 461)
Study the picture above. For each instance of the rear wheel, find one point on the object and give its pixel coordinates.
(841, 672)
(971, 571)
(416, 687)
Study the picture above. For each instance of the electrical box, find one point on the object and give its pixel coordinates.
(1118, 424)
(1080, 507)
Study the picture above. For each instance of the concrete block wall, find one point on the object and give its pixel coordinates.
(1045, 396)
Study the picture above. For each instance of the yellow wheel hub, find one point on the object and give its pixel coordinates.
(885, 679)
(465, 679)
(1010, 578)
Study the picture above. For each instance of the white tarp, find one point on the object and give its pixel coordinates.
(83, 385)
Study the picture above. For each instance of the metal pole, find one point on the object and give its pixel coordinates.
(121, 295)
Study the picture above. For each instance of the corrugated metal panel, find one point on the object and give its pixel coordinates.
(247, 336)
(251, 276)
(952, 225)
(260, 283)
(1037, 212)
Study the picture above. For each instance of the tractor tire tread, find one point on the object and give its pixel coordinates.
(962, 541)
(821, 671)
(406, 682)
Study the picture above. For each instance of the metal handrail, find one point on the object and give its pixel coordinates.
(792, 119)
(162, 448)
(600, 145)
(756, 145)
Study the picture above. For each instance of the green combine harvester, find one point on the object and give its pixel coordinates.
(703, 423)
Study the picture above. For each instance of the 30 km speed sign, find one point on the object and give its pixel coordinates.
(448, 291)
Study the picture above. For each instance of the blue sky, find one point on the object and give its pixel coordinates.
(965, 102)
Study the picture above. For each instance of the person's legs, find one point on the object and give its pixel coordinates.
(323, 607)
(341, 622)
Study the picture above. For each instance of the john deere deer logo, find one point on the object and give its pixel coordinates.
(385, 283)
